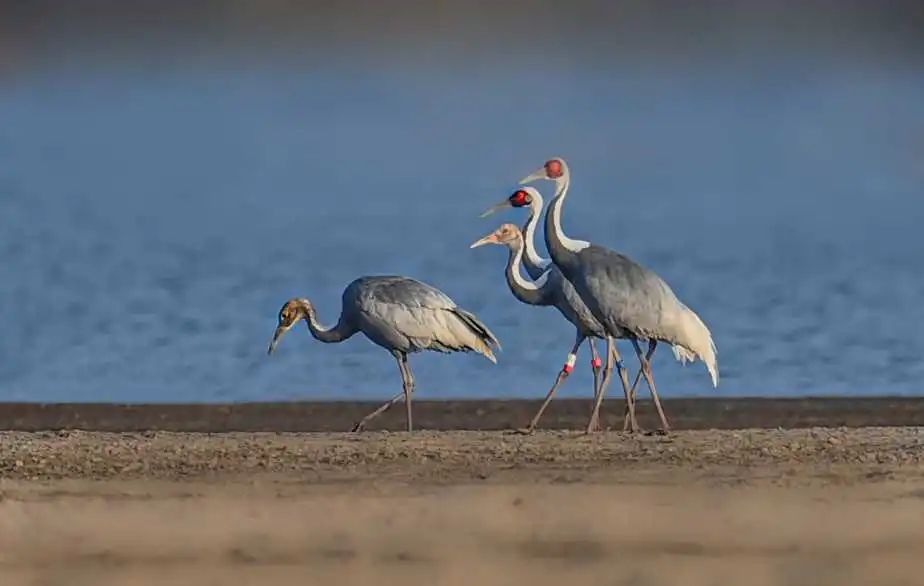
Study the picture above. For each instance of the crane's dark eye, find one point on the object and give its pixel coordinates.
(520, 198)
(286, 314)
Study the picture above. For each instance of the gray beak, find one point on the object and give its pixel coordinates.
(496, 208)
(534, 176)
(276, 337)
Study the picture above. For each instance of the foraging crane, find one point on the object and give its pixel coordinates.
(401, 315)
(624, 297)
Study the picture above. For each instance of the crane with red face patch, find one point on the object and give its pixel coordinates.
(558, 292)
(626, 298)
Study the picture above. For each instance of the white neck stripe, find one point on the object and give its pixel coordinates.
(562, 184)
(518, 276)
(529, 235)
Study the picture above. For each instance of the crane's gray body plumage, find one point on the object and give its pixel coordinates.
(623, 295)
(405, 315)
(626, 298)
(562, 293)
(559, 293)
(570, 304)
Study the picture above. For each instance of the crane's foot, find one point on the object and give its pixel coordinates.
(594, 426)
(632, 428)
(630, 425)
(531, 428)
(626, 424)
(361, 426)
(659, 432)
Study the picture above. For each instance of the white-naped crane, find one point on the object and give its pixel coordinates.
(625, 297)
(401, 315)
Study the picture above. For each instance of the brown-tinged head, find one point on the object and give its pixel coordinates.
(506, 235)
(291, 313)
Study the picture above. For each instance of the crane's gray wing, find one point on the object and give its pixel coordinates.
(405, 291)
(423, 316)
(622, 293)
(625, 294)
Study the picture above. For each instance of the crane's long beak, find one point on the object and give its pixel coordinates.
(489, 239)
(497, 207)
(276, 337)
(534, 176)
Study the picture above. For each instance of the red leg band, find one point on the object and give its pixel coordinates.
(567, 369)
(596, 362)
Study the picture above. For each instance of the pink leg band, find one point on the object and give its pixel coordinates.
(596, 363)
(567, 369)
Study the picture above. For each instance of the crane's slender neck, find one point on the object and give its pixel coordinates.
(534, 263)
(529, 292)
(561, 247)
(338, 333)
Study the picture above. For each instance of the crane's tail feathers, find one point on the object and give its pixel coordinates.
(696, 342)
(682, 355)
(485, 342)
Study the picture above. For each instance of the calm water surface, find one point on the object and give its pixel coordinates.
(151, 224)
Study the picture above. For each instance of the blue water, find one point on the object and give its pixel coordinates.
(152, 223)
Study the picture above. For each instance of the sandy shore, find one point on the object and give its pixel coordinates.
(811, 506)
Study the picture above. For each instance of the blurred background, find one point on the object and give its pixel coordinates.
(171, 173)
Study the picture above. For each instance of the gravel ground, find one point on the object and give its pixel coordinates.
(756, 507)
(444, 456)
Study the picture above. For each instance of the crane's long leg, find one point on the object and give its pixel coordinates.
(628, 391)
(408, 389)
(649, 378)
(594, 422)
(362, 422)
(597, 366)
(403, 394)
(562, 375)
(638, 378)
(612, 359)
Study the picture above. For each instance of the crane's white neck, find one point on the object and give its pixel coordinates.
(561, 192)
(529, 234)
(516, 275)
